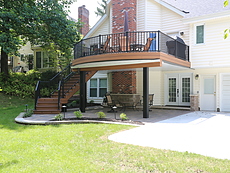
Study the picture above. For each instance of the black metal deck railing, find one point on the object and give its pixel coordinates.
(45, 89)
(146, 41)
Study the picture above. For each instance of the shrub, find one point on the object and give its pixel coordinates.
(123, 116)
(29, 113)
(19, 84)
(101, 114)
(78, 114)
(59, 117)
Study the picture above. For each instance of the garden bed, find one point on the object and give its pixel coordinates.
(103, 119)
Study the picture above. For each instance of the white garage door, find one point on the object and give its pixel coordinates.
(225, 92)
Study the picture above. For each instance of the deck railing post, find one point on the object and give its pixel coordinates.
(146, 92)
(158, 40)
(99, 48)
(82, 91)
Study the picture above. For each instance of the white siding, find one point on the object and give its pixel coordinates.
(172, 23)
(215, 51)
(155, 85)
(141, 4)
(103, 29)
(152, 16)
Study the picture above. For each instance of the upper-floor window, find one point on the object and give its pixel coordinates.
(199, 34)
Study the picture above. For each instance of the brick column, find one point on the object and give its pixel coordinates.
(118, 9)
(83, 14)
(123, 82)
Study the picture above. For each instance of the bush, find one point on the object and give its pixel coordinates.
(59, 117)
(47, 75)
(101, 114)
(19, 84)
(123, 116)
(29, 113)
(23, 84)
(78, 114)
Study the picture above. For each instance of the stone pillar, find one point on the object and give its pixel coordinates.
(194, 102)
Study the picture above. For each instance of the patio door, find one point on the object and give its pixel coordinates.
(178, 89)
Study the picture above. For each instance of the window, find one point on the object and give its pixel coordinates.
(98, 87)
(199, 34)
(42, 60)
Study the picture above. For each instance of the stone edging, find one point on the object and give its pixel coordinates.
(19, 119)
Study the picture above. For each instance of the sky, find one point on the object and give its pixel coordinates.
(91, 5)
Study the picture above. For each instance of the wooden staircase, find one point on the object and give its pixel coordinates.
(50, 105)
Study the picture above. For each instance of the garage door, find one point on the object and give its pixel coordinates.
(225, 92)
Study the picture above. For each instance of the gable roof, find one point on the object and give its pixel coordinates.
(199, 7)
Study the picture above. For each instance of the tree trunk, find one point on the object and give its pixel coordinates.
(4, 62)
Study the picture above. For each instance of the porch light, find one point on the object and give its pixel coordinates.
(197, 77)
(26, 107)
(64, 109)
(115, 107)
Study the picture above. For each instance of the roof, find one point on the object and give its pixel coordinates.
(199, 7)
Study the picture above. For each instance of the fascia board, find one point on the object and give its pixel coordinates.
(170, 7)
(206, 17)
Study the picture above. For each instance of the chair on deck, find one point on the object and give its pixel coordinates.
(106, 45)
(124, 44)
(148, 44)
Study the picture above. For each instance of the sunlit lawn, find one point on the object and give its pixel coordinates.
(84, 148)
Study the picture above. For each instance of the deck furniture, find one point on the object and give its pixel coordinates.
(124, 44)
(148, 44)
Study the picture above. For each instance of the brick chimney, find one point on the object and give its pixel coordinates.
(83, 14)
(123, 82)
(118, 12)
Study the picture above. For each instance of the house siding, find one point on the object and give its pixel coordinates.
(172, 23)
(102, 30)
(156, 83)
(213, 53)
(141, 4)
(153, 16)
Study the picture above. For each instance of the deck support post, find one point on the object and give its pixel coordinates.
(146, 92)
(82, 91)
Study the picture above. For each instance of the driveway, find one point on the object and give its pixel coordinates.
(205, 133)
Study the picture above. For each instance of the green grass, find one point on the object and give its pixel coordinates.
(84, 148)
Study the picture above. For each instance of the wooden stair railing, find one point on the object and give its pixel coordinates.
(68, 87)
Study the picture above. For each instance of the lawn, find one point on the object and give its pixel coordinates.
(84, 148)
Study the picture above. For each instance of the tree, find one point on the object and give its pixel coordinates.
(226, 31)
(42, 22)
(101, 11)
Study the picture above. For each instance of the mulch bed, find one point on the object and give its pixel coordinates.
(104, 119)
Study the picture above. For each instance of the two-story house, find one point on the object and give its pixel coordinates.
(199, 23)
(173, 49)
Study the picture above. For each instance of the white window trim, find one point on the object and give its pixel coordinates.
(195, 34)
(98, 79)
(42, 58)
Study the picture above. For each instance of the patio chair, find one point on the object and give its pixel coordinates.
(111, 103)
(148, 44)
(140, 103)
